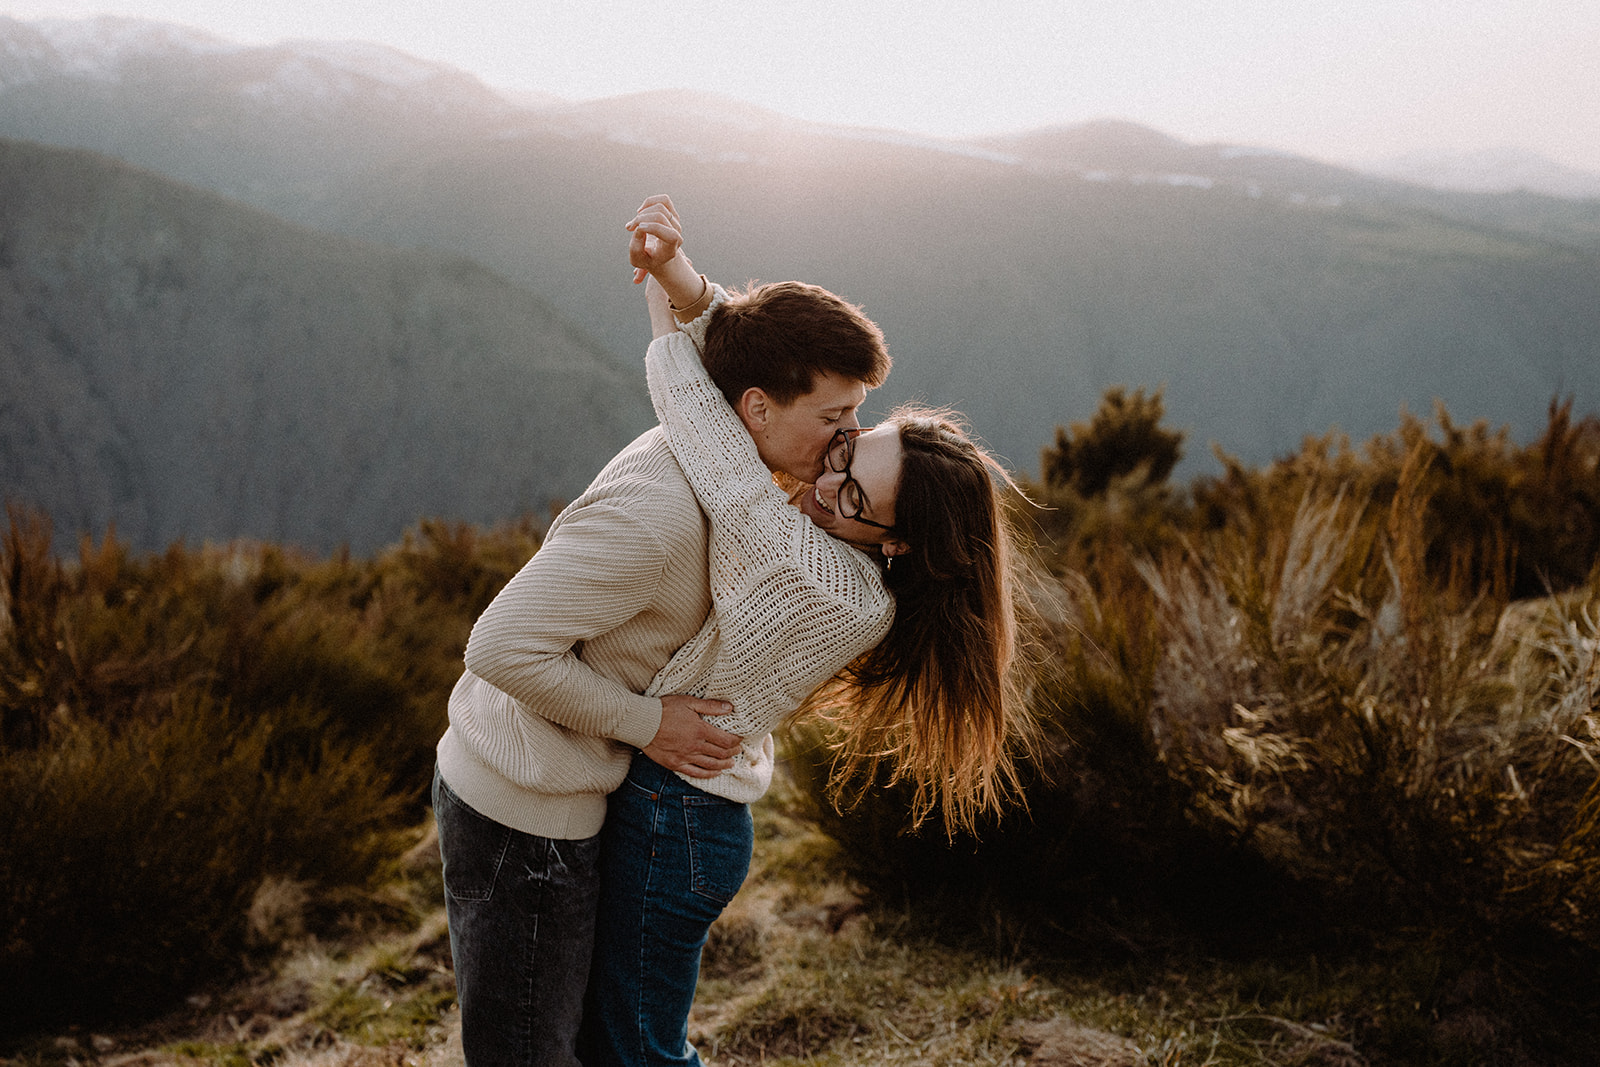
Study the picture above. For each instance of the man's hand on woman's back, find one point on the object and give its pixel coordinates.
(687, 743)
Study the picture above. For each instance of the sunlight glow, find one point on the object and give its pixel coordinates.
(1353, 81)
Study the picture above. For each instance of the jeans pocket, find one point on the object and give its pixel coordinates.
(473, 846)
(721, 836)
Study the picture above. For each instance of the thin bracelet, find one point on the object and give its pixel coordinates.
(705, 290)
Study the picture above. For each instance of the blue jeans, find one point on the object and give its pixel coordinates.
(672, 857)
(521, 912)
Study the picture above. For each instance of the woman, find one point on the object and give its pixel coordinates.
(879, 596)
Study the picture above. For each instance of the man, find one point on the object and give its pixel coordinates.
(548, 713)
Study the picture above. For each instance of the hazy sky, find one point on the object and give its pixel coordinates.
(1352, 80)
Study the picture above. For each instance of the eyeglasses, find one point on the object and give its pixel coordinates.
(841, 452)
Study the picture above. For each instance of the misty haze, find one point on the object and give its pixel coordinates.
(476, 357)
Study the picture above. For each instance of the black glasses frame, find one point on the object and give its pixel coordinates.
(848, 434)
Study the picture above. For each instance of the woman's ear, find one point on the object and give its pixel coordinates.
(895, 547)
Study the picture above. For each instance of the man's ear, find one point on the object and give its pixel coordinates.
(754, 409)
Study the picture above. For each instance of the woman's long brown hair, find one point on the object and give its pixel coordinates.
(936, 704)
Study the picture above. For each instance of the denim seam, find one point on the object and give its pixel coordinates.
(656, 804)
(530, 976)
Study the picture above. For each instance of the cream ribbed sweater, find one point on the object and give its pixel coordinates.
(792, 605)
(542, 719)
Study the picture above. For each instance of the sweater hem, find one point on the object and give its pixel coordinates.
(563, 817)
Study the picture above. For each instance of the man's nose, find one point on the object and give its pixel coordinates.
(850, 422)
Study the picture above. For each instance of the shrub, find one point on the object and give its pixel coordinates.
(131, 854)
(1123, 438)
(1104, 852)
(1389, 748)
(1513, 521)
(1317, 704)
(1103, 492)
(178, 730)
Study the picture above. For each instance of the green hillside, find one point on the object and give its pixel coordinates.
(1016, 278)
(185, 367)
(1273, 297)
(1019, 294)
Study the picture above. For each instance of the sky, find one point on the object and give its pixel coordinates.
(1354, 81)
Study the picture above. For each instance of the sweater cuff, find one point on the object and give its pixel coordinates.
(641, 721)
(696, 327)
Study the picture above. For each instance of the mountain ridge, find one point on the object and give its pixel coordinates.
(1498, 169)
(184, 367)
(117, 40)
(1273, 296)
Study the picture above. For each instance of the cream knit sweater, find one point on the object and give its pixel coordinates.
(564, 667)
(542, 719)
(792, 605)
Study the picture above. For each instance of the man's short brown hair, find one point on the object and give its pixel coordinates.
(781, 337)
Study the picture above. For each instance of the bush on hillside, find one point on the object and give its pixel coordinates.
(1416, 752)
(1124, 437)
(1103, 851)
(1103, 490)
(132, 854)
(1309, 703)
(1512, 521)
(180, 730)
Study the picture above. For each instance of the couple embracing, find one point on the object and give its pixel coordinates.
(615, 718)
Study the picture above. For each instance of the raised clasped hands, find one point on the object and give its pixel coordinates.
(657, 237)
(655, 250)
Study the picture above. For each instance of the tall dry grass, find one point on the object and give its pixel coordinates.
(1419, 750)
(1345, 702)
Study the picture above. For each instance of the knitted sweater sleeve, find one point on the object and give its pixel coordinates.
(791, 605)
(597, 570)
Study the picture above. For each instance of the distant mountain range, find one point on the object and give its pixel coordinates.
(1491, 170)
(1017, 278)
(184, 367)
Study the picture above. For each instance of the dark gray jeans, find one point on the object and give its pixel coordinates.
(522, 912)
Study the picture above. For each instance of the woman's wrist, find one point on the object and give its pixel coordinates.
(682, 283)
(696, 307)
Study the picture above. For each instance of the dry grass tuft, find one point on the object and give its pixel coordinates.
(277, 912)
